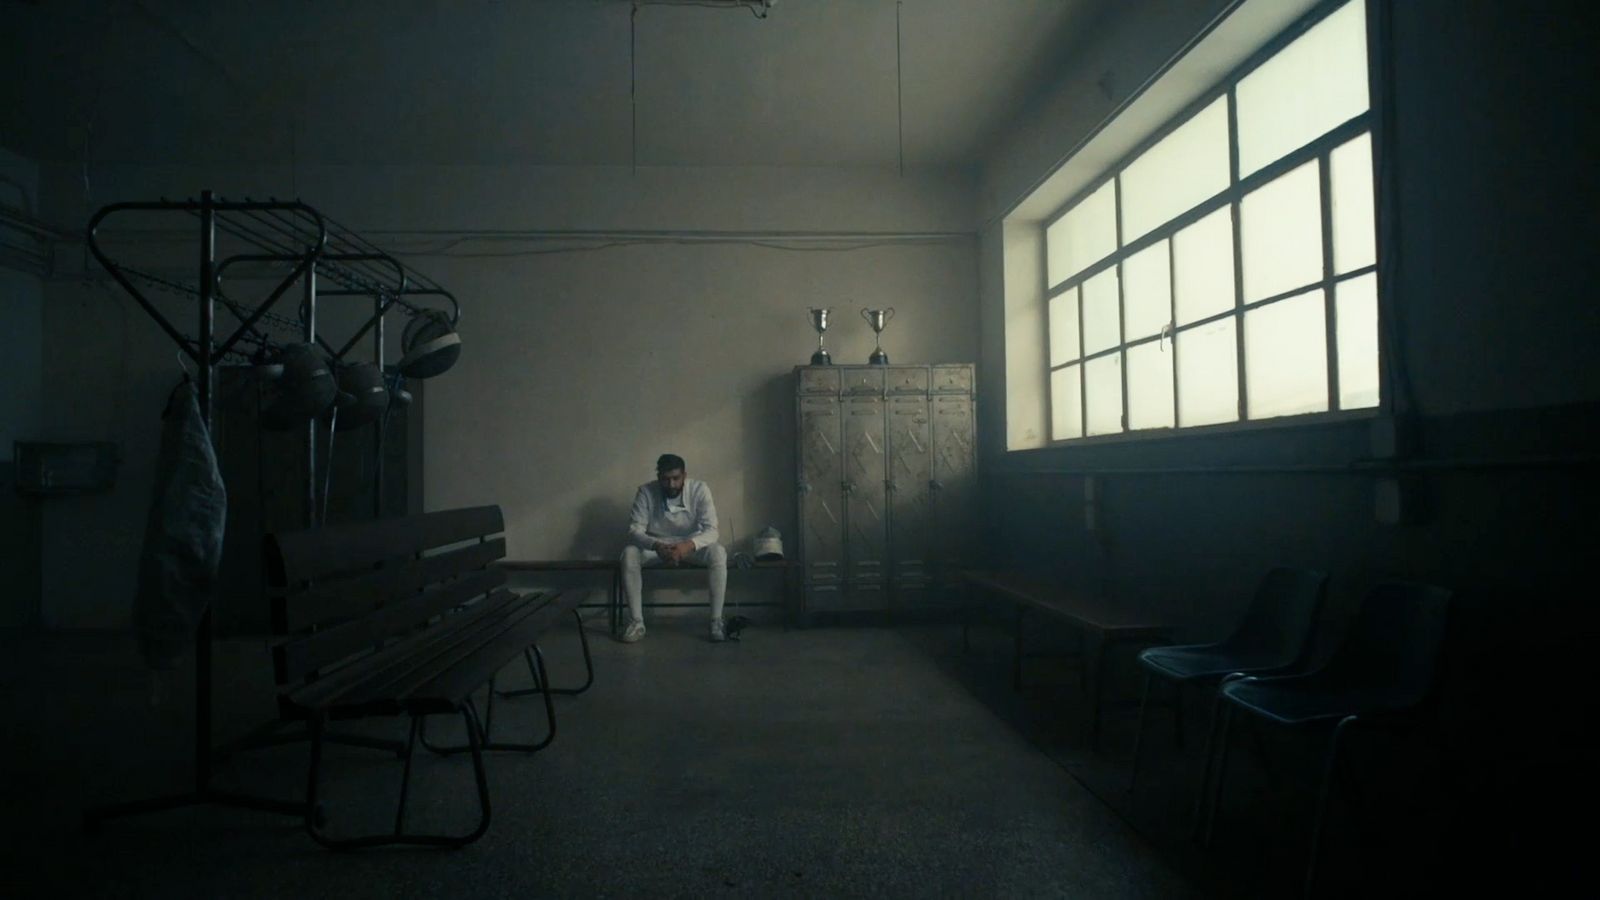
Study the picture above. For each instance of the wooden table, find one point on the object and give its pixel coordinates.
(1104, 623)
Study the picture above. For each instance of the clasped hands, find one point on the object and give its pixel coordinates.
(673, 553)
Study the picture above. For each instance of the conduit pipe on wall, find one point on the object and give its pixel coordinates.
(675, 234)
(1354, 468)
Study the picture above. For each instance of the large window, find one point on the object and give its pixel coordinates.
(1227, 270)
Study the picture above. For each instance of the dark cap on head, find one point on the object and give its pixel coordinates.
(667, 462)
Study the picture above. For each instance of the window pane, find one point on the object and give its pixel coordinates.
(1066, 406)
(1350, 182)
(1208, 374)
(1203, 253)
(1064, 327)
(1150, 385)
(1104, 393)
(1101, 329)
(1286, 357)
(1182, 169)
(1357, 333)
(1280, 228)
(1086, 234)
(1146, 292)
(1307, 88)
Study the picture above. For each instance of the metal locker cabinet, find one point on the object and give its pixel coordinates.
(886, 468)
(866, 535)
(910, 449)
(821, 472)
(954, 474)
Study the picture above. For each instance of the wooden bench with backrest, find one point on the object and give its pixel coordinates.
(404, 616)
(1102, 624)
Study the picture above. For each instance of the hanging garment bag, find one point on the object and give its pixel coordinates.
(183, 535)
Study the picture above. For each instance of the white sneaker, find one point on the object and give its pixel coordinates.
(633, 632)
(717, 633)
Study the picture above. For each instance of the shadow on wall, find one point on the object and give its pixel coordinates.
(768, 465)
(602, 526)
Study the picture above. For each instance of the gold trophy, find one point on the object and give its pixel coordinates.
(878, 318)
(819, 321)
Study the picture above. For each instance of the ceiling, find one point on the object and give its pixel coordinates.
(537, 82)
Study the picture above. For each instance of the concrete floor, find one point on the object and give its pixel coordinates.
(837, 761)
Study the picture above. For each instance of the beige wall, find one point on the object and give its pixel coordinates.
(578, 368)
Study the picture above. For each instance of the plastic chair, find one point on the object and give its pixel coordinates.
(1385, 669)
(1273, 636)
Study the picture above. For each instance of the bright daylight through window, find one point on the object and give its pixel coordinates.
(1227, 271)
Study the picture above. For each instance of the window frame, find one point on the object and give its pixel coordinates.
(1318, 151)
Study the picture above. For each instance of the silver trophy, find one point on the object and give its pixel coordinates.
(819, 321)
(878, 318)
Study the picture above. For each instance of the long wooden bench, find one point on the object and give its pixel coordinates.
(612, 568)
(404, 616)
(1101, 623)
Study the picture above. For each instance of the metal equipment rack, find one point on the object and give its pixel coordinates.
(285, 241)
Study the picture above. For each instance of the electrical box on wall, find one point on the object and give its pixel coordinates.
(56, 469)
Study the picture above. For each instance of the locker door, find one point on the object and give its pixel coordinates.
(821, 502)
(910, 471)
(865, 502)
(954, 482)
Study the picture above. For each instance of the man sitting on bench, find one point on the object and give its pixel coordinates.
(673, 521)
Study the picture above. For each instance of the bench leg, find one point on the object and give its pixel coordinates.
(539, 686)
(616, 603)
(405, 777)
(541, 677)
(314, 818)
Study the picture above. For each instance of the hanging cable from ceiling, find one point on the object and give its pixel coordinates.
(899, 107)
(757, 8)
(633, 93)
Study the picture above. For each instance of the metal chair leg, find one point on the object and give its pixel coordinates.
(1318, 824)
(1138, 735)
(1221, 774)
(1098, 663)
(1208, 757)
